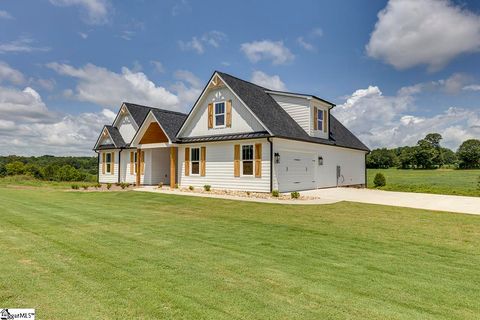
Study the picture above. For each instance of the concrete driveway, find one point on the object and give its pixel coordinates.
(427, 201)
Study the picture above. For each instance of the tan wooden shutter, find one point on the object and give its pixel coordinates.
(229, 113)
(210, 115)
(112, 164)
(132, 159)
(203, 157)
(236, 161)
(315, 118)
(325, 120)
(187, 161)
(258, 160)
(103, 162)
(142, 162)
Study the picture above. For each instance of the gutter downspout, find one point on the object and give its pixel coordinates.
(366, 179)
(119, 164)
(98, 165)
(271, 163)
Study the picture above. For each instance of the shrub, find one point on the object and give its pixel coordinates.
(15, 168)
(248, 193)
(97, 185)
(176, 185)
(75, 186)
(109, 185)
(85, 187)
(206, 187)
(295, 195)
(160, 185)
(275, 193)
(124, 185)
(379, 180)
(190, 188)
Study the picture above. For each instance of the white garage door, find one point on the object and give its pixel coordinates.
(296, 171)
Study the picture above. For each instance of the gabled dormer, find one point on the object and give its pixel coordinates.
(125, 123)
(310, 112)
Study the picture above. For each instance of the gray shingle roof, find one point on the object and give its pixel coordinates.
(225, 137)
(116, 136)
(170, 121)
(280, 123)
(138, 112)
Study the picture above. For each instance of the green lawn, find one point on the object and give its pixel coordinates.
(122, 255)
(441, 181)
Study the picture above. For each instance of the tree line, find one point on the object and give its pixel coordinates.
(50, 168)
(427, 154)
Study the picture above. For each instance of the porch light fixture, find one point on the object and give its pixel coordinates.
(320, 161)
(277, 157)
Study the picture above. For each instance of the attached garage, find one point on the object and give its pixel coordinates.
(296, 171)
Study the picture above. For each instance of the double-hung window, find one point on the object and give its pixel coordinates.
(247, 160)
(319, 119)
(195, 159)
(108, 162)
(219, 114)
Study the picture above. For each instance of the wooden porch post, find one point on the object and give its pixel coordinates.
(138, 173)
(173, 157)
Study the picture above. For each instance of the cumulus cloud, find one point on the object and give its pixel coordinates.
(452, 85)
(212, 38)
(428, 32)
(5, 15)
(274, 51)
(9, 74)
(270, 82)
(188, 87)
(22, 44)
(158, 66)
(181, 7)
(94, 11)
(306, 41)
(472, 87)
(388, 121)
(107, 88)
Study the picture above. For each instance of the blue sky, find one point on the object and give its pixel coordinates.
(397, 69)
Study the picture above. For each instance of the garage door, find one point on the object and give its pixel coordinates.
(296, 171)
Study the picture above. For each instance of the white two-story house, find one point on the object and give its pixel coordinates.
(237, 136)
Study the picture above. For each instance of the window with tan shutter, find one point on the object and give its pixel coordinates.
(247, 160)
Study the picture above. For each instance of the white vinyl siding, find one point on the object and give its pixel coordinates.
(352, 163)
(127, 127)
(220, 167)
(108, 177)
(298, 108)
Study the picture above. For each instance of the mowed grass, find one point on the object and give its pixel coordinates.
(122, 255)
(440, 181)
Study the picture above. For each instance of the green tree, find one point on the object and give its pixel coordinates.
(469, 154)
(382, 158)
(406, 157)
(428, 153)
(33, 170)
(15, 168)
(448, 156)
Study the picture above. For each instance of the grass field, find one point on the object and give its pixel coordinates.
(440, 181)
(112, 255)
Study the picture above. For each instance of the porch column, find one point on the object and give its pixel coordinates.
(173, 158)
(138, 175)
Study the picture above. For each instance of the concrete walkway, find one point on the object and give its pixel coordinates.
(427, 201)
(459, 204)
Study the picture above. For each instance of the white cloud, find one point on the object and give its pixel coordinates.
(23, 104)
(275, 51)
(182, 6)
(452, 85)
(270, 82)
(429, 32)
(306, 41)
(188, 88)
(472, 87)
(96, 11)
(106, 88)
(8, 74)
(22, 44)
(5, 15)
(83, 35)
(212, 38)
(387, 121)
(158, 66)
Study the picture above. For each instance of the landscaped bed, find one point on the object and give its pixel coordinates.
(111, 255)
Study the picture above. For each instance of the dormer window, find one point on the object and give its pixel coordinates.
(219, 114)
(319, 119)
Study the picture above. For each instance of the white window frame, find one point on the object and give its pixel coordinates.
(253, 160)
(134, 163)
(107, 163)
(321, 122)
(220, 114)
(192, 161)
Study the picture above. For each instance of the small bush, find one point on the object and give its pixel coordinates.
(85, 187)
(160, 185)
(176, 185)
(191, 188)
(275, 193)
(97, 185)
(379, 180)
(295, 195)
(206, 187)
(118, 184)
(248, 193)
(124, 185)
(109, 185)
(75, 186)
